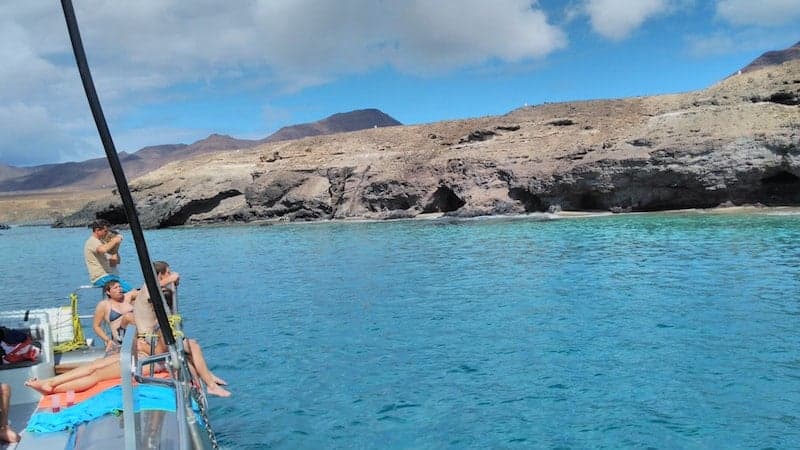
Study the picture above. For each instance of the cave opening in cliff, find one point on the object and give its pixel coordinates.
(531, 202)
(781, 188)
(590, 201)
(782, 178)
(114, 215)
(443, 200)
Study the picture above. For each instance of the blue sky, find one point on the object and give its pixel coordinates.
(170, 71)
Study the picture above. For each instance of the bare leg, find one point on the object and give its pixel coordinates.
(6, 433)
(195, 347)
(199, 362)
(49, 385)
(81, 384)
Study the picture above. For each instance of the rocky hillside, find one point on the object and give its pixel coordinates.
(737, 142)
(94, 173)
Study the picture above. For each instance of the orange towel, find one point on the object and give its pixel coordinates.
(46, 401)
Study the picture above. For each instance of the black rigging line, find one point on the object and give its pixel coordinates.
(119, 176)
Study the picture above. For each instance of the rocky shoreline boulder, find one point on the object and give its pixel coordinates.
(737, 142)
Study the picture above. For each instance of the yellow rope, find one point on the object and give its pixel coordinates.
(78, 341)
(175, 324)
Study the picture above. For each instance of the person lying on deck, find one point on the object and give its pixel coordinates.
(147, 327)
(86, 377)
(79, 379)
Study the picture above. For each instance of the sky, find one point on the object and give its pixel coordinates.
(172, 71)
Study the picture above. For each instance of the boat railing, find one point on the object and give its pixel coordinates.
(128, 353)
(183, 384)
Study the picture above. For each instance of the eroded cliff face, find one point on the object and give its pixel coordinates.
(737, 142)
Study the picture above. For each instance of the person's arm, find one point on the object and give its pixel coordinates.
(114, 250)
(97, 324)
(108, 246)
(130, 297)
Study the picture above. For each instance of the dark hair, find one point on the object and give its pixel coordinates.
(160, 267)
(109, 283)
(99, 224)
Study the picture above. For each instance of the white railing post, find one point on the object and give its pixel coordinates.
(127, 352)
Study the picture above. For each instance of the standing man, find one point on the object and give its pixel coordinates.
(101, 253)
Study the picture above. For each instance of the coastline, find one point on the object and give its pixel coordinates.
(742, 210)
(669, 153)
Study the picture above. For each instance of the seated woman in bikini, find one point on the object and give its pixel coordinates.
(116, 310)
(147, 325)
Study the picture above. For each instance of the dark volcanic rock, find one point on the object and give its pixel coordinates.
(477, 136)
(110, 210)
(293, 195)
(391, 195)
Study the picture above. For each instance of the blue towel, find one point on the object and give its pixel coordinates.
(146, 397)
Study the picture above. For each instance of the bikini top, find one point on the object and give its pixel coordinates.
(116, 330)
(113, 315)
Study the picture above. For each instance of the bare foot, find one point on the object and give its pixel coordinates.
(219, 391)
(40, 386)
(8, 435)
(220, 381)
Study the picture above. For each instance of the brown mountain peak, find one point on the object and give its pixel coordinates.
(774, 58)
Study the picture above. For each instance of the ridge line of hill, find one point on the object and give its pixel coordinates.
(94, 173)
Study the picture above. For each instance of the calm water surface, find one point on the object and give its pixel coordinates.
(663, 331)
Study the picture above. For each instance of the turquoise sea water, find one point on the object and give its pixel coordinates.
(635, 331)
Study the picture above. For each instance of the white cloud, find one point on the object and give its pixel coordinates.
(139, 49)
(730, 42)
(715, 44)
(437, 36)
(761, 13)
(31, 136)
(617, 19)
(313, 40)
